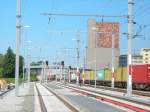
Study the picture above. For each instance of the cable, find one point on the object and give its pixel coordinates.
(143, 8)
(86, 15)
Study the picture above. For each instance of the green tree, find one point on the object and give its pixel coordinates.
(21, 61)
(1, 60)
(9, 63)
(1, 64)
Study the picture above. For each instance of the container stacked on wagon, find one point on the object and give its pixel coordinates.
(140, 76)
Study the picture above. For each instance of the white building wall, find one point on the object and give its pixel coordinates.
(145, 52)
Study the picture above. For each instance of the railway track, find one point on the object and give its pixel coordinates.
(5, 92)
(125, 98)
(136, 92)
(126, 102)
(42, 105)
(61, 98)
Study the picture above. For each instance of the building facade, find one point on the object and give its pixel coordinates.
(100, 45)
(123, 61)
(145, 52)
(136, 60)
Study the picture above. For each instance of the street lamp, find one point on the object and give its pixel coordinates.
(28, 59)
(26, 26)
(78, 56)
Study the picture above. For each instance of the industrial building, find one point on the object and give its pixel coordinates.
(100, 45)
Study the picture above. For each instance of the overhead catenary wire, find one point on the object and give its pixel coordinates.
(142, 6)
(84, 15)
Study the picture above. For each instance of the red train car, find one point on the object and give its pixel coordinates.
(140, 73)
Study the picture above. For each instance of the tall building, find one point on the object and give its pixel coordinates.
(99, 45)
(145, 52)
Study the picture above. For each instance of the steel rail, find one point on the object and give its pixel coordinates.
(62, 99)
(42, 105)
(5, 92)
(92, 94)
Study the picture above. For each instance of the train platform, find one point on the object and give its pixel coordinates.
(51, 102)
(28, 100)
(25, 102)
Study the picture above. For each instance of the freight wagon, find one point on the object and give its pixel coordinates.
(140, 76)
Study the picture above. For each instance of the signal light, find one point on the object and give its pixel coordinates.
(69, 66)
(62, 63)
(47, 63)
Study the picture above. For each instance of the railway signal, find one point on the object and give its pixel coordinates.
(69, 72)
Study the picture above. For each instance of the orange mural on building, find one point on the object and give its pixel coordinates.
(104, 34)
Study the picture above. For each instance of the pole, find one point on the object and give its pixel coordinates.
(78, 49)
(57, 55)
(78, 56)
(23, 78)
(60, 73)
(23, 74)
(129, 82)
(83, 74)
(44, 69)
(29, 65)
(69, 74)
(112, 66)
(18, 37)
(95, 58)
(56, 67)
(27, 26)
(42, 77)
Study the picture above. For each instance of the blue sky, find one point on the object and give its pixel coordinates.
(45, 42)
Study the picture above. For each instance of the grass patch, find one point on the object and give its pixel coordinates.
(12, 80)
(33, 77)
(9, 80)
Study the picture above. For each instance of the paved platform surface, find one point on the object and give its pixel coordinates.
(23, 103)
(52, 103)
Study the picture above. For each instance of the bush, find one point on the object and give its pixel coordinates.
(33, 77)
